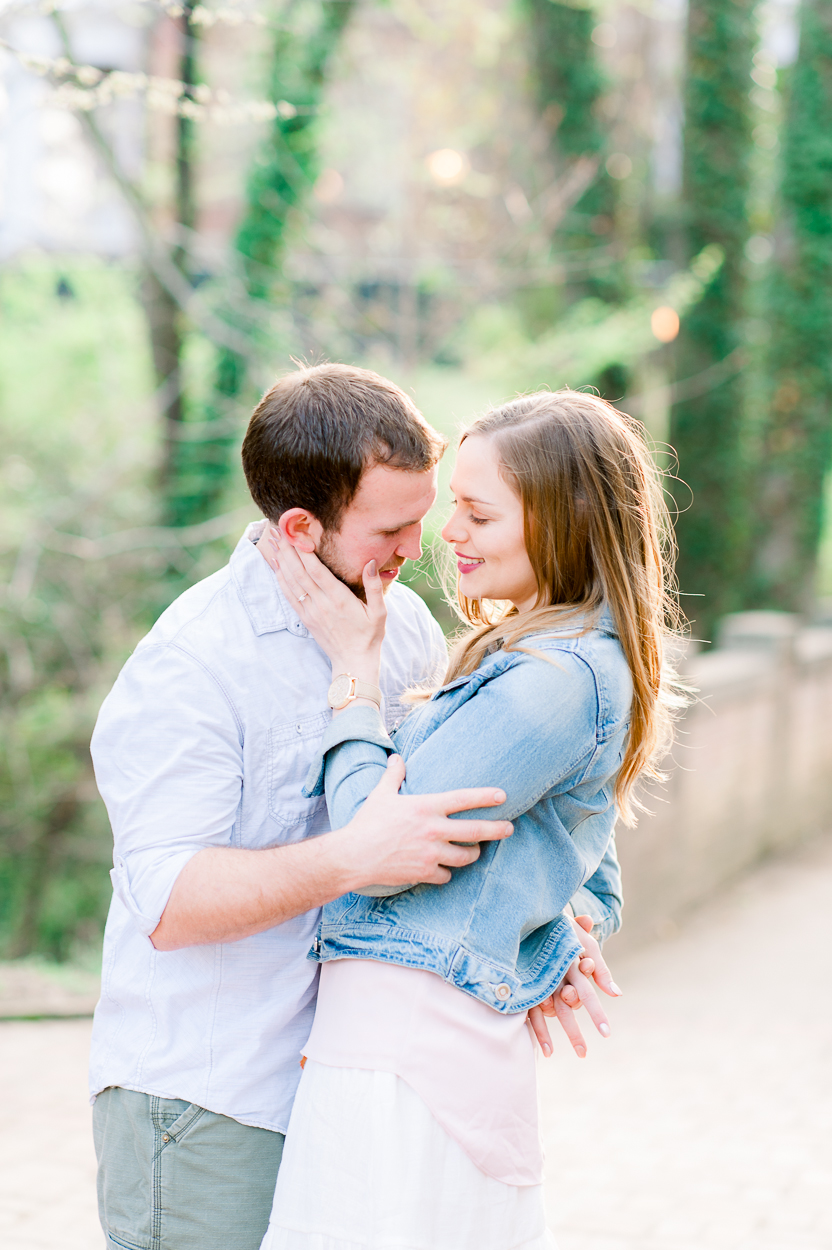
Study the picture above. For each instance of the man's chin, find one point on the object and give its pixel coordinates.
(327, 557)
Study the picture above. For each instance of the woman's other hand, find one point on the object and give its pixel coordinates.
(348, 631)
(577, 990)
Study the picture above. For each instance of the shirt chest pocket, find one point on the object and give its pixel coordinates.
(292, 747)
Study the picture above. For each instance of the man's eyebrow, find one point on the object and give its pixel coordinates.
(391, 529)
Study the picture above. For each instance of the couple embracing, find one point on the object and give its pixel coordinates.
(353, 876)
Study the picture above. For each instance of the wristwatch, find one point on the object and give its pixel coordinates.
(345, 688)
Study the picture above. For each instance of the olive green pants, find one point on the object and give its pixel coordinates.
(173, 1176)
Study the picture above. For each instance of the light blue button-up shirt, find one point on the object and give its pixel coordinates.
(205, 740)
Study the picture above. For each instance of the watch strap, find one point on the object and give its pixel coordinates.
(364, 690)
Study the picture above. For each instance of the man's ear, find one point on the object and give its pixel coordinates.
(301, 529)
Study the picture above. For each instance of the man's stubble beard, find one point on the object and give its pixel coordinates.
(329, 556)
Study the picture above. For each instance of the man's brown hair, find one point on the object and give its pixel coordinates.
(315, 432)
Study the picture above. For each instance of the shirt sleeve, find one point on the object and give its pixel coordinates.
(167, 752)
(601, 896)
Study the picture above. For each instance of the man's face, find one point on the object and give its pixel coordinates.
(383, 523)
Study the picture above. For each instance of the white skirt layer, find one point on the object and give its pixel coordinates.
(367, 1167)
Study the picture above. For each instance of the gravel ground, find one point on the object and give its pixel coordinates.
(702, 1124)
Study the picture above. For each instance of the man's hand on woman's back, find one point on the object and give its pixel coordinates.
(399, 840)
(225, 894)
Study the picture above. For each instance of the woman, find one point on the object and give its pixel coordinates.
(415, 1123)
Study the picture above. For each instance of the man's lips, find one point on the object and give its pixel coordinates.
(388, 573)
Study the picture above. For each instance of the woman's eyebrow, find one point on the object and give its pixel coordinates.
(473, 499)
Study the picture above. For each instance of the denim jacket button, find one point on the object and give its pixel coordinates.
(502, 991)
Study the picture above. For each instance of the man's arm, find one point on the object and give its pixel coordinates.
(168, 759)
(224, 894)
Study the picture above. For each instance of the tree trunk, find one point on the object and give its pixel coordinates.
(798, 435)
(707, 432)
(164, 316)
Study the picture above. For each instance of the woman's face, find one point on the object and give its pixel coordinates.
(486, 529)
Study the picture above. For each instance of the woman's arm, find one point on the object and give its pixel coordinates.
(526, 730)
(601, 896)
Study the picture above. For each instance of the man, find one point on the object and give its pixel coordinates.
(220, 863)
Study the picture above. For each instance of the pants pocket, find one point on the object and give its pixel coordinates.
(173, 1176)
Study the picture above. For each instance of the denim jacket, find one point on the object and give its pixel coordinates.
(547, 728)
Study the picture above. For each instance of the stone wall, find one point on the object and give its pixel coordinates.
(750, 773)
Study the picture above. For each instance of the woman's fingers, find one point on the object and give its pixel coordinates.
(292, 575)
(600, 972)
(570, 996)
(374, 592)
(589, 999)
(540, 1028)
(569, 1024)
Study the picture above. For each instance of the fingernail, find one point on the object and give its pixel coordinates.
(373, 568)
(499, 796)
(509, 830)
(604, 1030)
(580, 1051)
(547, 1049)
(615, 988)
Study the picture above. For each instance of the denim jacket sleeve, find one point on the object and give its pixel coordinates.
(601, 896)
(527, 729)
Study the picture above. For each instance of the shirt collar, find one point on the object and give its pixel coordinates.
(266, 605)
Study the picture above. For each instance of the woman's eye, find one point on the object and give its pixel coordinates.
(479, 520)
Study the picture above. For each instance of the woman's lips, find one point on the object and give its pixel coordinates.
(467, 565)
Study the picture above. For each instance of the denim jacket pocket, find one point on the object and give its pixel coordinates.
(292, 747)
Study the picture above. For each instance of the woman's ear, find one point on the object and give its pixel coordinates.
(301, 529)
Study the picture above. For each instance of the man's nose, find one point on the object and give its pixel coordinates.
(410, 547)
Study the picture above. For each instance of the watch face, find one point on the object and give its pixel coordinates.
(340, 691)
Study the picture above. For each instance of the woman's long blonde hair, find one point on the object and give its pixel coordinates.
(597, 532)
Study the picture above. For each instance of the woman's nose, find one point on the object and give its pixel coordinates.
(452, 531)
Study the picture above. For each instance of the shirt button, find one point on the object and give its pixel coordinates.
(298, 728)
(166, 1137)
(502, 991)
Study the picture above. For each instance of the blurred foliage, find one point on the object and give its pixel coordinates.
(797, 446)
(592, 337)
(526, 264)
(707, 432)
(79, 438)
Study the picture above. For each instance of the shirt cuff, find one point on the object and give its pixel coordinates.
(355, 724)
(147, 913)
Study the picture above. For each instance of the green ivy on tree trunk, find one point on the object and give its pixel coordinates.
(568, 85)
(707, 431)
(798, 437)
(281, 179)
